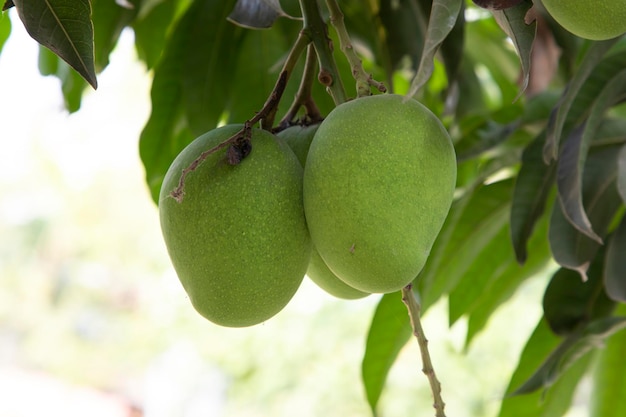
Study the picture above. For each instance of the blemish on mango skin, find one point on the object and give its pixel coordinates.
(352, 248)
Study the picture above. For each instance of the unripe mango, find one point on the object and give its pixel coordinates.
(378, 184)
(324, 278)
(238, 239)
(299, 139)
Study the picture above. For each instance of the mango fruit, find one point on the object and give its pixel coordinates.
(379, 180)
(238, 238)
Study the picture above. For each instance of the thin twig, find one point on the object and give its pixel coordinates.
(412, 305)
(363, 80)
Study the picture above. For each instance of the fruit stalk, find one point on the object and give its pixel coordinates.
(316, 29)
(363, 80)
(413, 307)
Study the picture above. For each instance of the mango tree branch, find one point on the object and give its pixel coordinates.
(412, 305)
(363, 80)
(303, 96)
(317, 30)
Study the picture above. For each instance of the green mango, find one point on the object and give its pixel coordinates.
(319, 273)
(238, 239)
(378, 184)
(299, 139)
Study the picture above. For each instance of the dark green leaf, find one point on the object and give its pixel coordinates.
(7, 5)
(452, 51)
(570, 351)
(574, 153)
(615, 264)
(621, 173)
(471, 225)
(389, 331)
(63, 26)
(569, 302)
(532, 187)
(562, 112)
(443, 18)
(209, 61)
(570, 248)
(608, 397)
(256, 14)
(551, 403)
(486, 136)
(512, 21)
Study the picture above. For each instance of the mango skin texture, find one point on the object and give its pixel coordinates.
(299, 139)
(238, 240)
(590, 19)
(378, 184)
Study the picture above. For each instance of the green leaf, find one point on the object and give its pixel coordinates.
(472, 223)
(443, 18)
(209, 61)
(574, 153)
(151, 30)
(532, 188)
(571, 248)
(494, 276)
(608, 397)
(109, 18)
(5, 29)
(256, 14)
(621, 173)
(549, 403)
(389, 331)
(165, 134)
(573, 348)
(615, 264)
(562, 112)
(570, 302)
(72, 84)
(512, 21)
(64, 27)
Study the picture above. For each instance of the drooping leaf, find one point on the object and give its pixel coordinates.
(256, 14)
(532, 187)
(608, 397)
(569, 302)
(513, 21)
(550, 403)
(209, 62)
(452, 52)
(389, 331)
(471, 225)
(574, 153)
(7, 5)
(443, 18)
(571, 248)
(64, 27)
(615, 264)
(557, 122)
(572, 349)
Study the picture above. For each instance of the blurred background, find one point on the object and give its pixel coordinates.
(93, 320)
